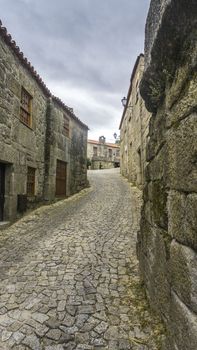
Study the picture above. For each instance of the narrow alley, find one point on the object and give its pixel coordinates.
(69, 274)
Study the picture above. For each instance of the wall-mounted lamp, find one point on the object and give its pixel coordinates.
(124, 102)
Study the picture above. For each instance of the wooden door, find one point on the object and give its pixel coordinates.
(61, 172)
(2, 190)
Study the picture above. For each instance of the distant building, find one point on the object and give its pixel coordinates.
(134, 128)
(43, 145)
(103, 155)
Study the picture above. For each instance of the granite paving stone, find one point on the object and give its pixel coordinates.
(69, 274)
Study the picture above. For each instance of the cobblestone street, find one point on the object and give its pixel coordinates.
(69, 275)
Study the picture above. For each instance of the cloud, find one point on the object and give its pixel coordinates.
(83, 49)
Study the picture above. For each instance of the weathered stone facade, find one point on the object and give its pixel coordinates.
(134, 130)
(103, 155)
(37, 144)
(70, 149)
(167, 242)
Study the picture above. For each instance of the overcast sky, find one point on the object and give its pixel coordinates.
(84, 50)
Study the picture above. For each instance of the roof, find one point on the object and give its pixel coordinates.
(130, 88)
(28, 66)
(68, 110)
(94, 142)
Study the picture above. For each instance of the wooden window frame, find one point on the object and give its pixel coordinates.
(31, 179)
(26, 109)
(66, 125)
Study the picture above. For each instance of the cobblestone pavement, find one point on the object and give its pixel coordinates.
(69, 274)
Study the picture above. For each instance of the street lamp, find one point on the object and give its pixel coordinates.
(124, 101)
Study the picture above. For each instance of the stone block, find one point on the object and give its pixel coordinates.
(147, 172)
(168, 25)
(2, 74)
(159, 204)
(182, 216)
(168, 343)
(148, 210)
(145, 192)
(158, 165)
(16, 108)
(180, 108)
(182, 155)
(157, 129)
(182, 325)
(14, 86)
(153, 252)
(183, 270)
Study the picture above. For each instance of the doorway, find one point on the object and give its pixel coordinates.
(2, 190)
(61, 176)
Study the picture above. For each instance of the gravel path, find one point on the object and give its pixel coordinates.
(69, 276)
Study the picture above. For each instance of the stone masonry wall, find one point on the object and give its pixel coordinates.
(134, 130)
(41, 143)
(78, 158)
(103, 159)
(70, 149)
(167, 241)
(20, 146)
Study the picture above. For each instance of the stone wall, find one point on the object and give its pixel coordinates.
(103, 159)
(71, 149)
(167, 241)
(134, 128)
(40, 144)
(20, 146)
(101, 164)
(78, 158)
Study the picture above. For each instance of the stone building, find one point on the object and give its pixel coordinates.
(103, 155)
(43, 144)
(66, 151)
(167, 242)
(134, 128)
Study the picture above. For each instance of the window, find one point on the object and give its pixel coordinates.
(110, 152)
(31, 181)
(26, 107)
(117, 153)
(66, 125)
(95, 151)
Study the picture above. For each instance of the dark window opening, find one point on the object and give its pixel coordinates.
(66, 125)
(26, 107)
(95, 151)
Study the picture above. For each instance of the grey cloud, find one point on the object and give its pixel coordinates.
(90, 44)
